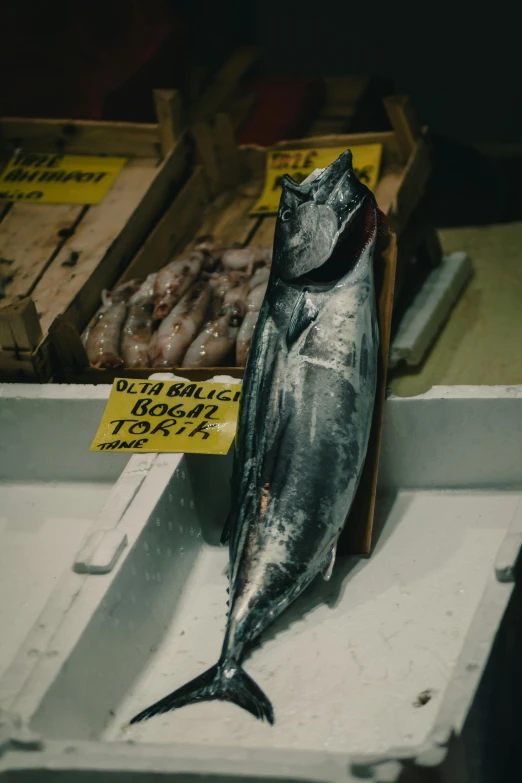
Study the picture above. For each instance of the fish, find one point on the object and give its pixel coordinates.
(216, 341)
(212, 253)
(176, 332)
(173, 281)
(145, 293)
(103, 341)
(304, 420)
(245, 258)
(244, 337)
(221, 285)
(124, 291)
(136, 335)
(261, 275)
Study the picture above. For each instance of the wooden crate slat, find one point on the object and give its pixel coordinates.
(264, 234)
(29, 235)
(95, 234)
(206, 155)
(391, 152)
(225, 83)
(169, 111)
(93, 375)
(173, 230)
(227, 219)
(227, 156)
(344, 90)
(411, 186)
(108, 238)
(82, 137)
(20, 328)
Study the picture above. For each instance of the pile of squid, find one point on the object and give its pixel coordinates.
(198, 311)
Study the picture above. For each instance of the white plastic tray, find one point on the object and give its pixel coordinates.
(376, 667)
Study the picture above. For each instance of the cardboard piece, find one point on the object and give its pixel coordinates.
(356, 537)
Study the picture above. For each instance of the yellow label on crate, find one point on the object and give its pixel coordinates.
(39, 178)
(173, 416)
(301, 163)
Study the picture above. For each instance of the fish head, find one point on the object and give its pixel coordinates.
(323, 224)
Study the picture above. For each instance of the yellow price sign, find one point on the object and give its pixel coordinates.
(169, 416)
(40, 178)
(301, 163)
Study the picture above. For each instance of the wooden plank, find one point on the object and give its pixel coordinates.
(29, 235)
(20, 328)
(327, 126)
(411, 186)
(227, 218)
(404, 122)
(344, 90)
(386, 138)
(15, 366)
(96, 233)
(70, 353)
(206, 155)
(92, 375)
(225, 83)
(82, 137)
(239, 107)
(226, 149)
(387, 188)
(107, 239)
(169, 112)
(264, 234)
(174, 229)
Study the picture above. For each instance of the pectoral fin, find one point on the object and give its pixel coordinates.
(330, 560)
(303, 315)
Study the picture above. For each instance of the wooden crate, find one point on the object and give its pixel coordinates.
(352, 104)
(56, 259)
(226, 91)
(217, 199)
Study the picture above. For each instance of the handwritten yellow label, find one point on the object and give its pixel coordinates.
(173, 416)
(39, 178)
(301, 163)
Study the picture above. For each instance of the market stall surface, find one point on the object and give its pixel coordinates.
(358, 664)
(480, 344)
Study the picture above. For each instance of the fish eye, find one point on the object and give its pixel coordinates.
(285, 214)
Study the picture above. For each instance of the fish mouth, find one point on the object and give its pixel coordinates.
(323, 225)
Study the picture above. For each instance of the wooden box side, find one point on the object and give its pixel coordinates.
(357, 535)
(53, 255)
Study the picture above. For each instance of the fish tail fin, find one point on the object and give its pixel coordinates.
(225, 681)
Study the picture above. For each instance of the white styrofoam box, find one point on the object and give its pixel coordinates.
(59, 502)
(375, 670)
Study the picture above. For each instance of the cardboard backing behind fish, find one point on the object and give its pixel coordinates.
(356, 537)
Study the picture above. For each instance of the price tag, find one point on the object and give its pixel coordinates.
(173, 416)
(36, 178)
(301, 163)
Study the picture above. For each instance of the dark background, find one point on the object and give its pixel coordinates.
(100, 59)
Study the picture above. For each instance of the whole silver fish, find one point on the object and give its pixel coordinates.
(304, 421)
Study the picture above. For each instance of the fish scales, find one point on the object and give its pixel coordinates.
(304, 421)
